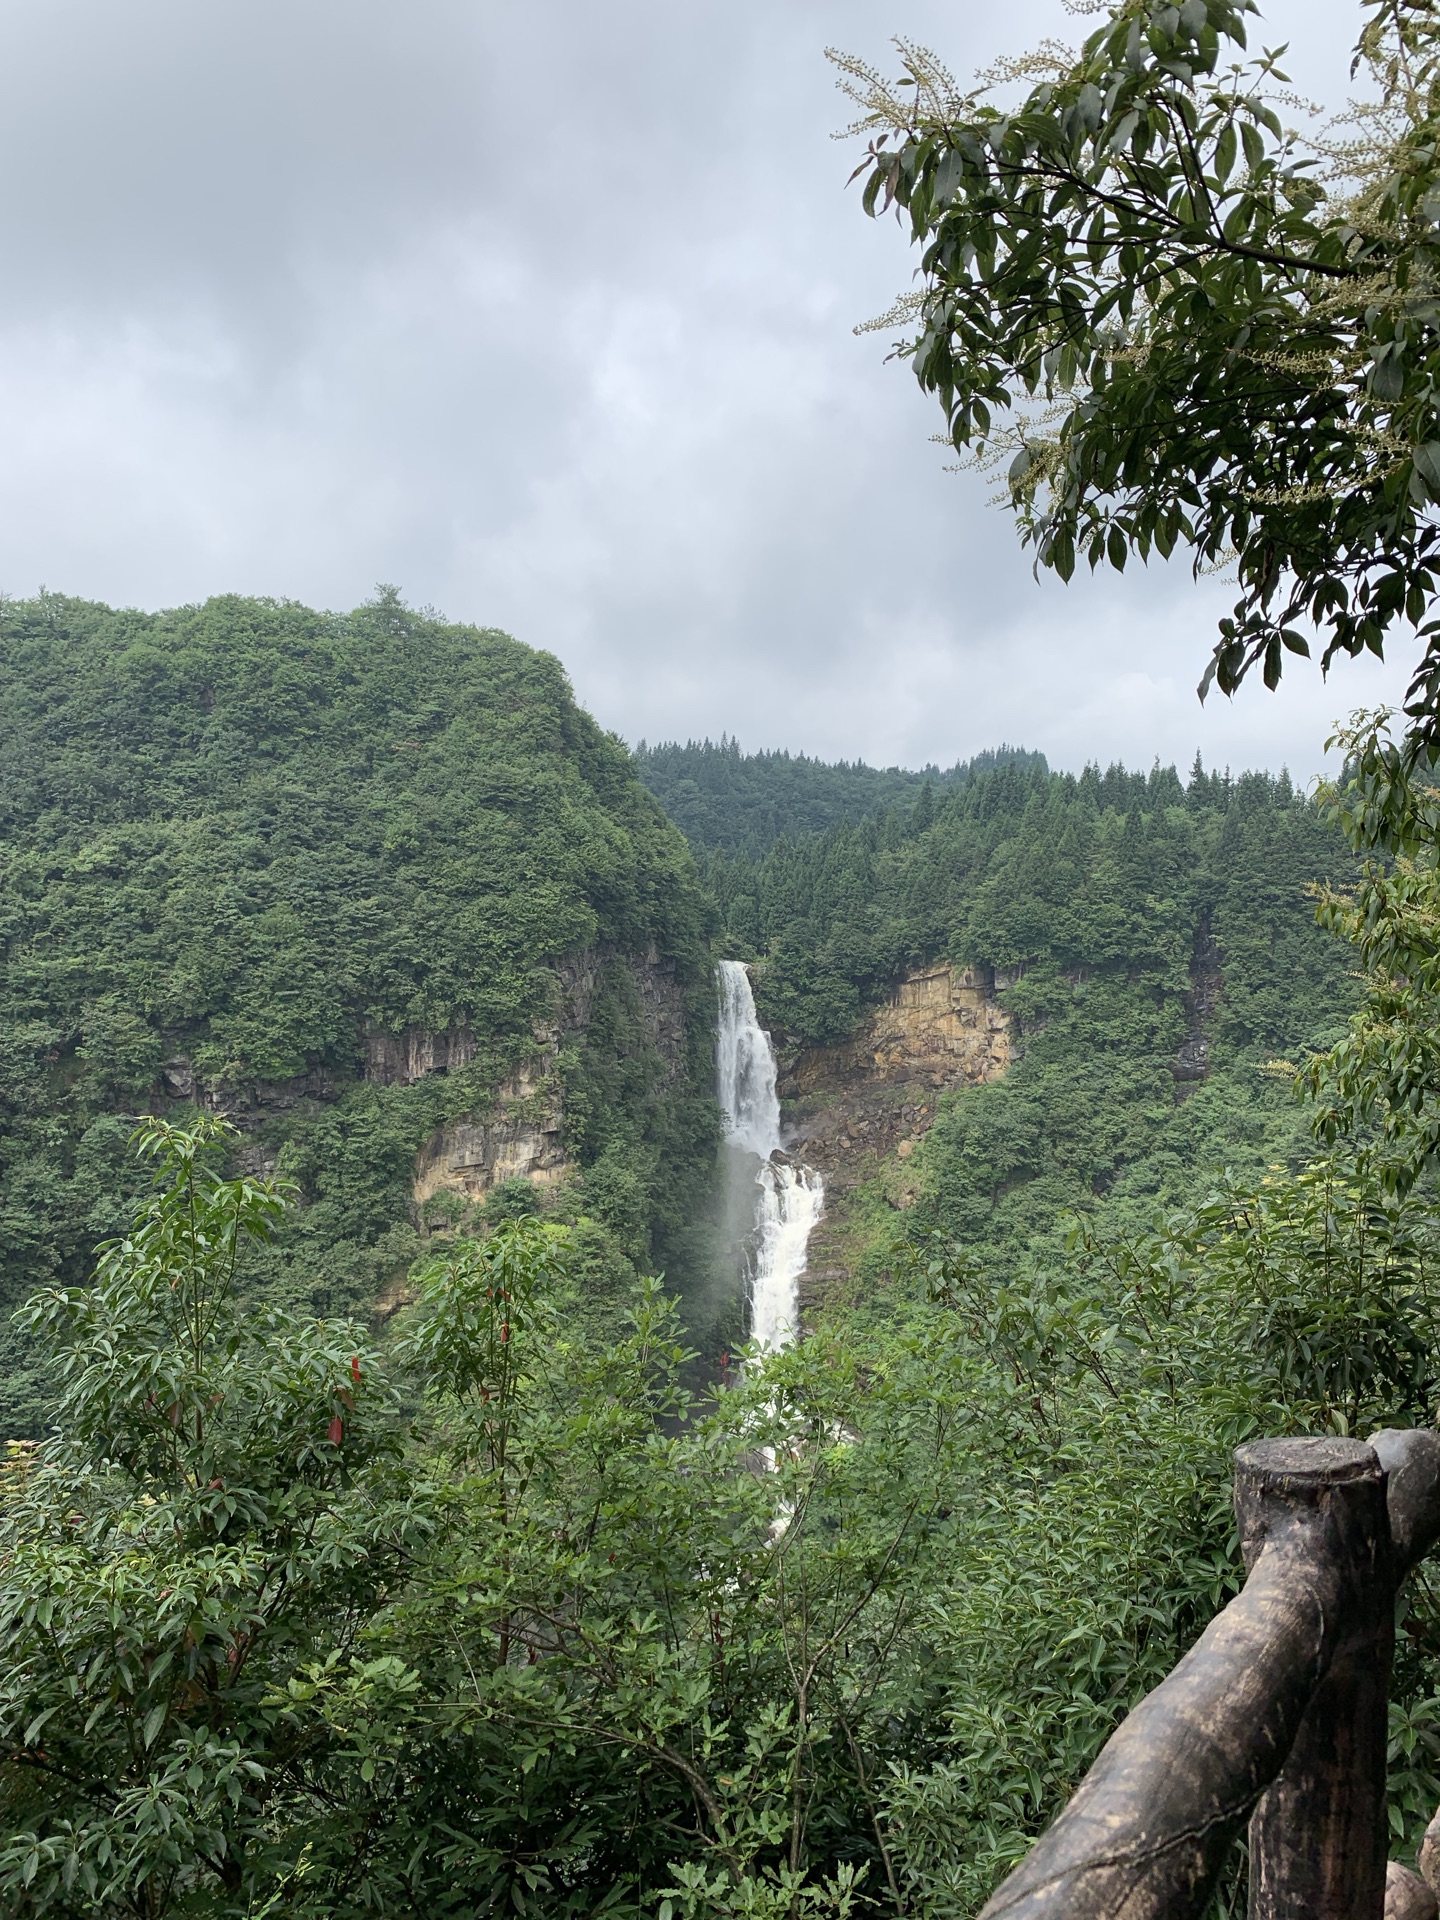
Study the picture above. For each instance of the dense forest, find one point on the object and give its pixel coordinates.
(1153, 942)
(742, 803)
(242, 843)
(371, 1550)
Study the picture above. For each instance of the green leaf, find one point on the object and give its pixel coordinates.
(32, 1732)
(1387, 375)
(1427, 459)
(1225, 152)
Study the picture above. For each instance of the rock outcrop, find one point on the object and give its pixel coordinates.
(853, 1108)
(1191, 1064)
(517, 1134)
(521, 1136)
(399, 1059)
(252, 1105)
(940, 1026)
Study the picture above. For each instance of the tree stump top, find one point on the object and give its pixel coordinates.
(1313, 1459)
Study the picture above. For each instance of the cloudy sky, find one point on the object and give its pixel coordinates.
(543, 310)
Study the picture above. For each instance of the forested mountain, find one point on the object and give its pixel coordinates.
(535, 1646)
(372, 888)
(278, 863)
(1152, 943)
(742, 803)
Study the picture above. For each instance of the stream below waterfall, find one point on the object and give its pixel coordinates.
(785, 1196)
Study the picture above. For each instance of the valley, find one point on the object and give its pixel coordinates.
(590, 1256)
(374, 890)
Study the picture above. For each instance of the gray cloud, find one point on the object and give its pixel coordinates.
(545, 312)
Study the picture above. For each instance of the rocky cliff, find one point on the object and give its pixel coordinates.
(858, 1110)
(517, 1132)
(522, 1133)
(940, 1026)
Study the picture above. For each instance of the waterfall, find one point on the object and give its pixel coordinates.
(790, 1196)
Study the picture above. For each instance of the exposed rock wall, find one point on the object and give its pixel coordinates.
(939, 1025)
(857, 1109)
(252, 1104)
(521, 1138)
(875, 1094)
(519, 1134)
(660, 995)
(399, 1059)
(1192, 1063)
(522, 1135)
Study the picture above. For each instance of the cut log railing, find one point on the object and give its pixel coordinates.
(1276, 1715)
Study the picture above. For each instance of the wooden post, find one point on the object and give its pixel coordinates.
(1407, 1896)
(1146, 1833)
(1318, 1834)
(1280, 1706)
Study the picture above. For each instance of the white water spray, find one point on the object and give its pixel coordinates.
(790, 1196)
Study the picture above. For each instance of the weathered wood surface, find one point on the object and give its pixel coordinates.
(1411, 1459)
(1317, 1838)
(1285, 1691)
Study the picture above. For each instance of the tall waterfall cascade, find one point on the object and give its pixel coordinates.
(789, 1196)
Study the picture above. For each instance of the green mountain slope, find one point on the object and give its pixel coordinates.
(278, 862)
(1153, 945)
(742, 803)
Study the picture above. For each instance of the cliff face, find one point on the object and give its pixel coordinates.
(858, 1110)
(400, 1059)
(518, 1133)
(1191, 1065)
(940, 1026)
(520, 1138)
(522, 1134)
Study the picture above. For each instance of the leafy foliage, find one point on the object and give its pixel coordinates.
(242, 843)
(215, 1511)
(569, 1645)
(1182, 324)
(1379, 1086)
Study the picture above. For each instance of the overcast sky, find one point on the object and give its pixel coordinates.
(543, 310)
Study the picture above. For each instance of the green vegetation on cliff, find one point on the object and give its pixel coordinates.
(1153, 943)
(239, 840)
(541, 1644)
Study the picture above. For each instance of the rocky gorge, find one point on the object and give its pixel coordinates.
(857, 1110)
